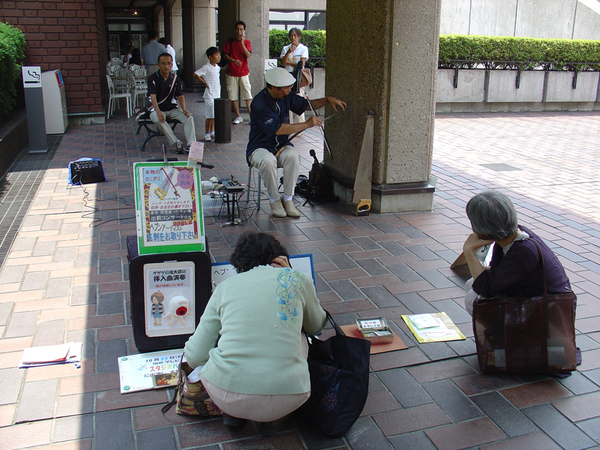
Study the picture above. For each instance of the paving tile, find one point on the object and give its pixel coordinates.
(417, 440)
(50, 332)
(27, 434)
(107, 355)
(210, 432)
(506, 416)
(378, 402)
(479, 383)
(108, 400)
(452, 400)
(580, 407)
(466, 434)
(380, 296)
(400, 358)
(578, 383)
(58, 287)
(404, 387)
(107, 436)
(74, 405)
(427, 373)
(591, 428)
(162, 438)
(110, 303)
(411, 419)
(555, 425)
(73, 428)
(37, 401)
(10, 386)
(21, 324)
(535, 393)
(365, 434)
(533, 441)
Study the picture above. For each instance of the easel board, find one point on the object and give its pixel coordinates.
(303, 263)
(168, 206)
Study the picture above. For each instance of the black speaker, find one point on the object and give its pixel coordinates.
(86, 171)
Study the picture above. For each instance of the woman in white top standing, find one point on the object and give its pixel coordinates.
(291, 55)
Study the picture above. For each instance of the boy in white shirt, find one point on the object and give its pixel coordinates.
(209, 74)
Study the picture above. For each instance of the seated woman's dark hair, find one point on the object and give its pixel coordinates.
(493, 215)
(256, 249)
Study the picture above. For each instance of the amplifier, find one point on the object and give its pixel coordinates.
(84, 171)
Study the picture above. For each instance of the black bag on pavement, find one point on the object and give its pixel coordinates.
(339, 382)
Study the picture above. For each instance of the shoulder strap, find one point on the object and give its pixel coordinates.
(170, 89)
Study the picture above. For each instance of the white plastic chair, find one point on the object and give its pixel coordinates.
(115, 96)
(140, 82)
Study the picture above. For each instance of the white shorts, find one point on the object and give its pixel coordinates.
(209, 105)
(243, 83)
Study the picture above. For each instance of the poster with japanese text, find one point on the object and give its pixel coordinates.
(169, 300)
(168, 208)
(149, 370)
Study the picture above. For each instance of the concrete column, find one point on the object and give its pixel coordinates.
(382, 56)
(176, 31)
(199, 33)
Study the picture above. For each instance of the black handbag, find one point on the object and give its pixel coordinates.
(339, 382)
(526, 335)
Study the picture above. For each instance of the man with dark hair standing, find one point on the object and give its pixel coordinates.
(163, 87)
(236, 52)
(151, 51)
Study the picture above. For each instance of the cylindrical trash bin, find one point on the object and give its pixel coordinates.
(222, 120)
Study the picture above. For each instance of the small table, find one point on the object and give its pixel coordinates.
(230, 198)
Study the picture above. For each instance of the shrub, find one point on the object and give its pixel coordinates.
(313, 39)
(12, 54)
(510, 53)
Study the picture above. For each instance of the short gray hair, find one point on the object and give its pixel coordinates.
(492, 214)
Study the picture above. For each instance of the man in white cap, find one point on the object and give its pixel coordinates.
(268, 146)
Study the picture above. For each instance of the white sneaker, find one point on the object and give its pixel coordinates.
(238, 120)
(290, 209)
(207, 137)
(212, 134)
(277, 209)
(179, 147)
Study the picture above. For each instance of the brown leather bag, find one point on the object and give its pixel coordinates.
(526, 335)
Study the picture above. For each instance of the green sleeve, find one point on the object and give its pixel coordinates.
(205, 337)
(314, 315)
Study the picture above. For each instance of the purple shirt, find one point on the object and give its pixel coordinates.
(518, 273)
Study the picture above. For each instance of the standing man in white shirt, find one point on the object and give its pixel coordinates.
(170, 51)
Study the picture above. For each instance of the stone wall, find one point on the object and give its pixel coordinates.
(65, 35)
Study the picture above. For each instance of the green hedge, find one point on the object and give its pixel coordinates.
(314, 40)
(12, 54)
(491, 52)
(510, 53)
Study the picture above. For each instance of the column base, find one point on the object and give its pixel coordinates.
(388, 198)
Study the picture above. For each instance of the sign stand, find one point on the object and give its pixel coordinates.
(34, 104)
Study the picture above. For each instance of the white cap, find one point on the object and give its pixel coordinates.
(279, 77)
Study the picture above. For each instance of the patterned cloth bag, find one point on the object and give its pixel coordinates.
(191, 398)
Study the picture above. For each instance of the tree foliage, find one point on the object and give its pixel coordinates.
(12, 54)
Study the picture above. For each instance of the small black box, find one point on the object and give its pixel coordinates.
(86, 171)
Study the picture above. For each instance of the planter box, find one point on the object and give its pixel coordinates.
(559, 87)
(502, 86)
(471, 86)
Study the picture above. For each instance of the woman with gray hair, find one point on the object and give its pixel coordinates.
(515, 265)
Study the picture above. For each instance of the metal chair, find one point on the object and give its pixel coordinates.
(114, 96)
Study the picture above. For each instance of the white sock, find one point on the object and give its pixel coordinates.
(287, 198)
(273, 200)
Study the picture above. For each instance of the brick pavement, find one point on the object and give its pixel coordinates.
(65, 279)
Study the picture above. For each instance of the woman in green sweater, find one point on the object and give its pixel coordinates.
(250, 339)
